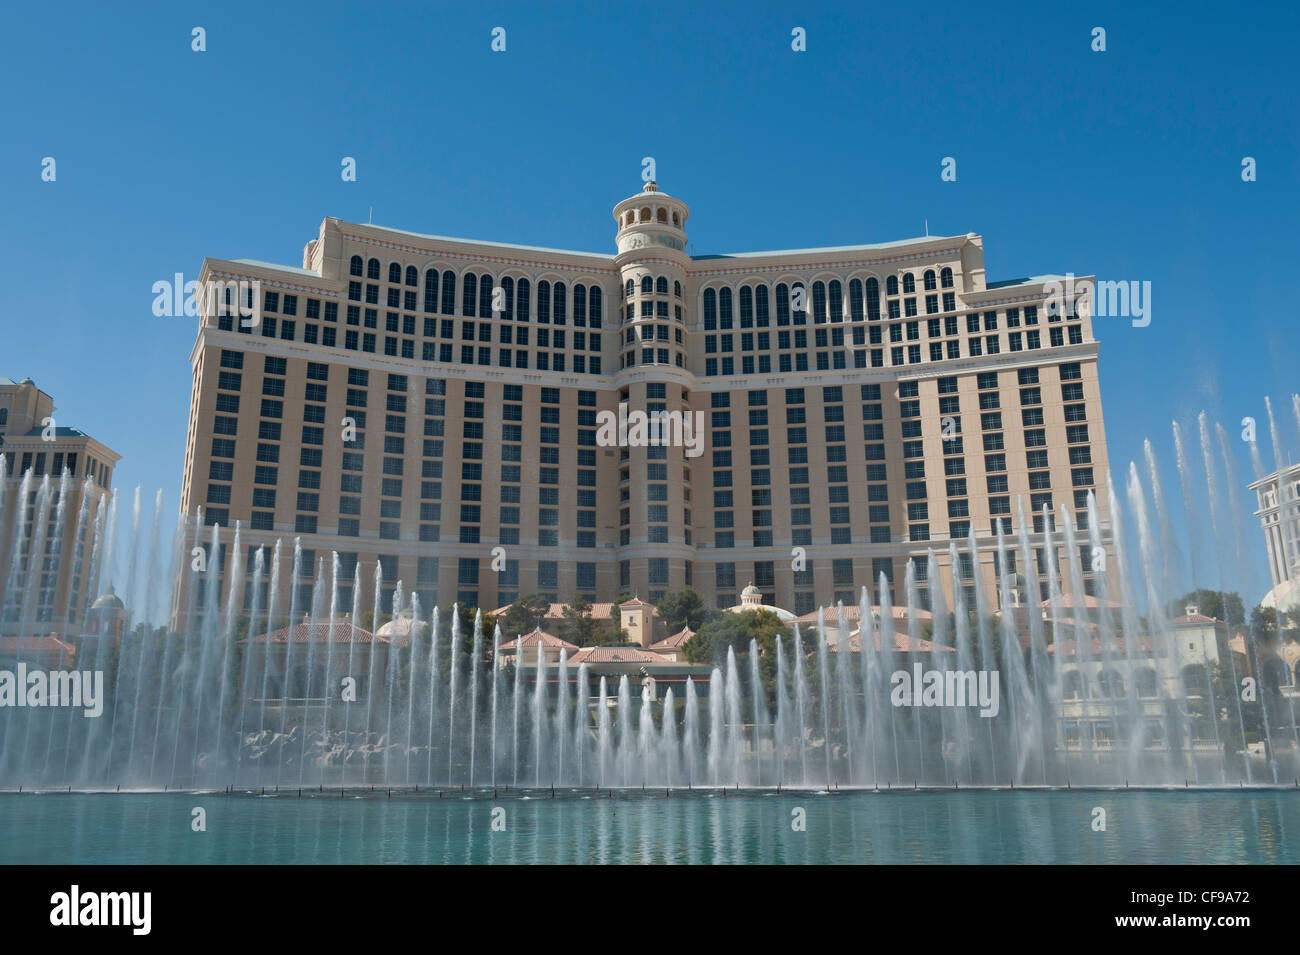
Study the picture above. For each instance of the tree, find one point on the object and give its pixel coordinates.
(1219, 604)
(579, 626)
(680, 609)
(524, 615)
(735, 631)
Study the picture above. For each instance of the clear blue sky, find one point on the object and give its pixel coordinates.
(1125, 164)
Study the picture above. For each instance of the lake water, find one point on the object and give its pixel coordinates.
(746, 828)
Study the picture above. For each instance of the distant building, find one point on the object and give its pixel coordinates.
(751, 598)
(32, 442)
(674, 648)
(523, 650)
(639, 620)
(1278, 495)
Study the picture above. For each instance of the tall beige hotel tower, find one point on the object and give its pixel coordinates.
(434, 405)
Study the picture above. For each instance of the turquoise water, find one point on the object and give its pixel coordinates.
(699, 827)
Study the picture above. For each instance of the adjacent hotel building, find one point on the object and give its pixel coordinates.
(1278, 496)
(432, 404)
(47, 533)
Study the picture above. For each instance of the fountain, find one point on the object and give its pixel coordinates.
(1091, 691)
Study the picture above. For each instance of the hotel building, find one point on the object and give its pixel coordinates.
(432, 404)
(32, 442)
(1278, 496)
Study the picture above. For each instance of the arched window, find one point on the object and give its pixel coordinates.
(782, 304)
(647, 285)
(873, 299)
(891, 285)
(760, 306)
(356, 266)
(724, 308)
(677, 289)
(595, 317)
(523, 305)
(746, 307)
(449, 292)
(631, 288)
(372, 269)
(1111, 683)
(508, 294)
(677, 220)
(661, 285)
(629, 217)
(835, 301)
(394, 273)
(931, 281)
(909, 283)
(1073, 688)
(544, 303)
(799, 293)
(412, 276)
(431, 290)
(469, 295)
(560, 311)
(1146, 682)
(579, 305)
(710, 309)
(661, 215)
(819, 302)
(855, 299)
(645, 214)
(945, 278)
(485, 296)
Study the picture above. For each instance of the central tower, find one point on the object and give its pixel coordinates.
(653, 375)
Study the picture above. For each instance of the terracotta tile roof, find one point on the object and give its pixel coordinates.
(599, 611)
(614, 655)
(324, 632)
(48, 643)
(537, 637)
(903, 643)
(676, 641)
(851, 613)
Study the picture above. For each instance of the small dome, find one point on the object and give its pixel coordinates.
(108, 601)
(650, 186)
(401, 626)
(751, 591)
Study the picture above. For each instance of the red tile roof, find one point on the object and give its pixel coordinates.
(676, 641)
(48, 643)
(851, 613)
(599, 611)
(614, 655)
(538, 636)
(903, 643)
(323, 632)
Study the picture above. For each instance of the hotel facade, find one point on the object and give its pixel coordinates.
(431, 405)
(55, 486)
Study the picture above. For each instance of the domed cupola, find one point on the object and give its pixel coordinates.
(651, 220)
